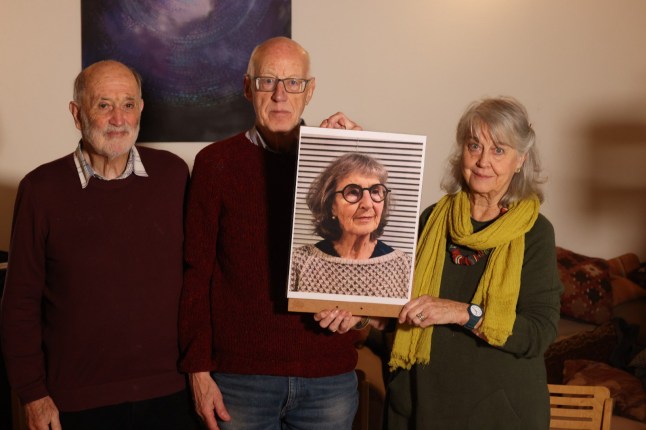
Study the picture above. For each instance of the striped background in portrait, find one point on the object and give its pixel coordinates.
(401, 154)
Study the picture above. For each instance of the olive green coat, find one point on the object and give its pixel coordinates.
(470, 384)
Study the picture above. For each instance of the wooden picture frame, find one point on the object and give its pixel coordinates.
(403, 157)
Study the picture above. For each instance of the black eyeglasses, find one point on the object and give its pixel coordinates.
(292, 85)
(352, 193)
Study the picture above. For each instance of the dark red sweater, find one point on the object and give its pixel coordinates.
(233, 313)
(95, 275)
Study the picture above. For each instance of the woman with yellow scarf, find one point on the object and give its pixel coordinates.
(468, 350)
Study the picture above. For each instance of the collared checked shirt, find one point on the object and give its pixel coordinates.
(86, 172)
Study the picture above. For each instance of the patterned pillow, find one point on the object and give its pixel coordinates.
(625, 389)
(587, 294)
(596, 345)
(639, 360)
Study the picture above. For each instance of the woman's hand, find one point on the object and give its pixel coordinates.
(339, 120)
(425, 311)
(336, 320)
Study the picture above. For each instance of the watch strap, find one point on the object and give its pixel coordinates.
(473, 318)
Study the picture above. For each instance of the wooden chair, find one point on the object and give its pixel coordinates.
(580, 407)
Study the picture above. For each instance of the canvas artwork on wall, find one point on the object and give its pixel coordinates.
(350, 184)
(192, 56)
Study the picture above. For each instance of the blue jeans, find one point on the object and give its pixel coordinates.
(257, 402)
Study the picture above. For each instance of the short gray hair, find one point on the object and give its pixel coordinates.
(507, 123)
(322, 192)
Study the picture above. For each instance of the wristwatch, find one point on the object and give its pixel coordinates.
(475, 313)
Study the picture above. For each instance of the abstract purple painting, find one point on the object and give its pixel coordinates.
(191, 54)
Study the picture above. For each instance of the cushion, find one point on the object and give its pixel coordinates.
(587, 293)
(638, 276)
(567, 327)
(634, 313)
(626, 390)
(625, 290)
(624, 264)
(597, 345)
(638, 366)
(639, 360)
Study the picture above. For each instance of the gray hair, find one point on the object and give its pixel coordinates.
(322, 192)
(507, 122)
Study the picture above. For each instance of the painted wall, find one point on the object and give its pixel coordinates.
(410, 66)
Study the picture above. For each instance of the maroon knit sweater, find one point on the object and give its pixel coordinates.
(89, 314)
(233, 311)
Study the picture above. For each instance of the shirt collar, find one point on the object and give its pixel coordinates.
(86, 172)
(254, 136)
(257, 139)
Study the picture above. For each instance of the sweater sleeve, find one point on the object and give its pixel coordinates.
(200, 244)
(20, 317)
(538, 307)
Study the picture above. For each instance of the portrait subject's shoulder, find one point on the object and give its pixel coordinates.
(304, 251)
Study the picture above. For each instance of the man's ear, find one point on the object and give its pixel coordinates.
(75, 109)
(247, 87)
(310, 90)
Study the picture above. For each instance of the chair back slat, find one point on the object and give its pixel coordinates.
(579, 407)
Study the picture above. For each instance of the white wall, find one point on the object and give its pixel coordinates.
(409, 66)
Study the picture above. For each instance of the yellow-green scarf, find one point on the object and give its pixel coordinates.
(498, 289)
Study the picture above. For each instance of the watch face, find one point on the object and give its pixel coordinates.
(476, 310)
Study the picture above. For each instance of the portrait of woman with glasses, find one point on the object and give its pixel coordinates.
(349, 201)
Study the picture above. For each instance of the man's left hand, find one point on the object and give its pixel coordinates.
(339, 120)
(337, 320)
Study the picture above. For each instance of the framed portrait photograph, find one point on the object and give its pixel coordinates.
(357, 202)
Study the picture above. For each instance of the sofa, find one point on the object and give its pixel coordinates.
(600, 341)
(602, 331)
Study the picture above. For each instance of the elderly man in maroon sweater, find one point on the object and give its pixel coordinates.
(89, 314)
(252, 364)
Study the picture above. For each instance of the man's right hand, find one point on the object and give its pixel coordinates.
(41, 414)
(207, 397)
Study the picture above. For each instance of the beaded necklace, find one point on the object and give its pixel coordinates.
(466, 260)
(469, 260)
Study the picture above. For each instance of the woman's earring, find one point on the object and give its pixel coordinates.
(517, 170)
(334, 217)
